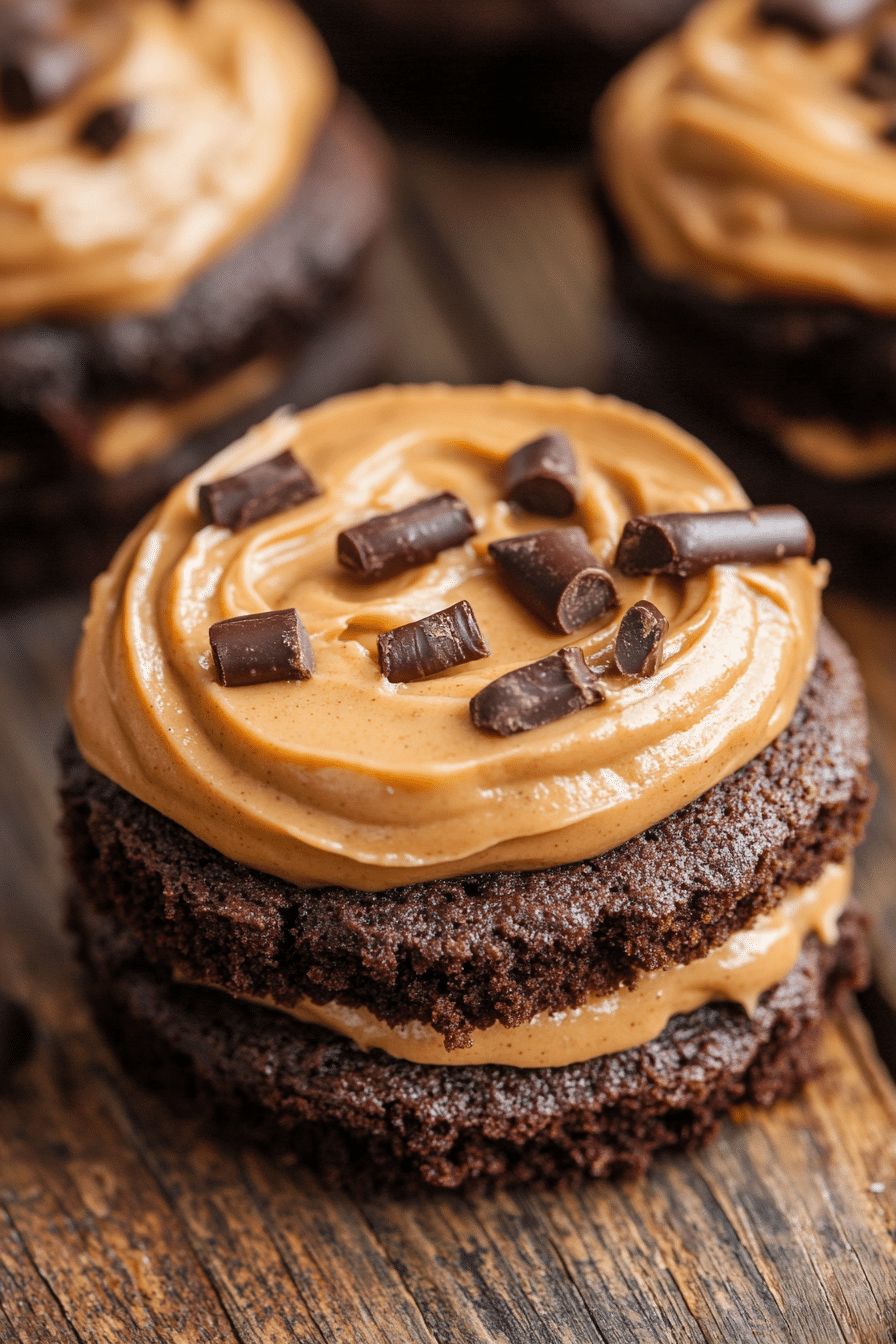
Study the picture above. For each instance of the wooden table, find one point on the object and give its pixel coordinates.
(120, 1222)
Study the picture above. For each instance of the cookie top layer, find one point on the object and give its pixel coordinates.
(752, 157)
(187, 126)
(347, 778)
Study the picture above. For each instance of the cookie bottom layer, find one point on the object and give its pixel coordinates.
(368, 1118)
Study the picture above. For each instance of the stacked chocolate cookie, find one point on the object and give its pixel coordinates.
(487, 813)
(749, 174)
(189, 201)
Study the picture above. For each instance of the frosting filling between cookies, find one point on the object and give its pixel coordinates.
(146, 430)
(742, 156)
(739, 971)
(228, 98)
(347, 778)
(828, 447)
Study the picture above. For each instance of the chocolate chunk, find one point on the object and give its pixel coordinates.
(817, 18)
(879, 79)
(267, 646)
(392, 542)
(269, 487)
(682, 544)
(536, 694)
(423, 648)
(557, 576)
(542, 476)
(639, 640)
(105, 129)
(48, 48)
(16, 1037)
(35, 75)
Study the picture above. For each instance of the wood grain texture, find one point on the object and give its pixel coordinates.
(121, 1221)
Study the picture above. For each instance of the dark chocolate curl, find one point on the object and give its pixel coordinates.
(818, 18)
(879, 79)
(542, 476)
(537, 694)
(106, 128)
(269, 487)
(35, 75)
(433, 644)
(639, 640)
(16, 1038)
(681, 544)
(392, 542)
(557, 576)
(267, 646)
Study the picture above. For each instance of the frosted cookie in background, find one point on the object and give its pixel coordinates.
(748, 165)
(186, 202)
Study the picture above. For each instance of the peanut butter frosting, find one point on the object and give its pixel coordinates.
(739, 971)
(742, 156)
(347, 778)
(227, 99)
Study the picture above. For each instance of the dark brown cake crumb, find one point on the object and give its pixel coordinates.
(369, 1119)
(463, 953)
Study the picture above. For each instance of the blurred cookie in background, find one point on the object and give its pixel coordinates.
(749, 177)
(522, 73)
(187, 201)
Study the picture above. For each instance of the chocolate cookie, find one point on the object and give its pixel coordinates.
(810, 361)
(292, 295)
(464, 953)
(523, 74)
(367, 1118)
(752, 243)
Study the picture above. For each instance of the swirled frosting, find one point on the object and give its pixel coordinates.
(742, 156)
(228, 98)
(347, 778)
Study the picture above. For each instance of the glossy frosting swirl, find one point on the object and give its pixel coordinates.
(229, 96)
(742, 156)
(349, 779)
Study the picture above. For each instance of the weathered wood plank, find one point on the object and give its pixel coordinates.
(28, 1310)
(84, 1209)
(481, 1270)
(521, 248)
(333, 1257)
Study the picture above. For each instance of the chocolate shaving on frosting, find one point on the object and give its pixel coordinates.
(433, 644)
(681, 544)
(639, 641)
(536, 694)
(557, 576)
(269, 487)
(392, 542)
(879, 79)
(49, 48)
(260, 647)
(34, 75)
(107, 127)
(542, 476)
